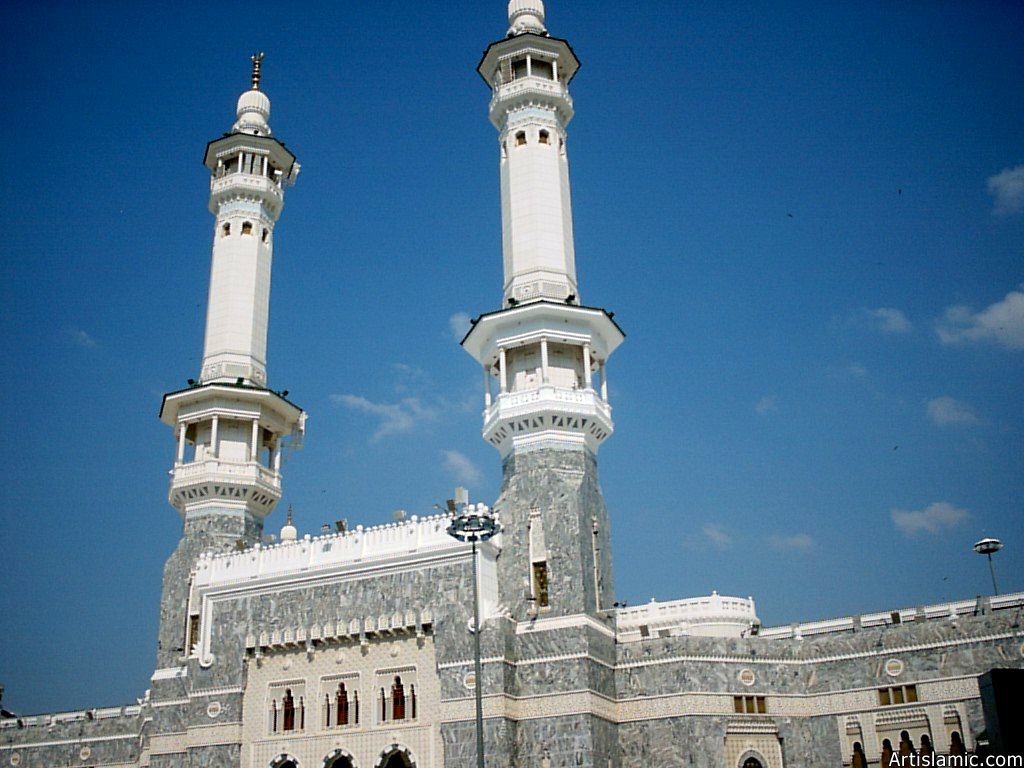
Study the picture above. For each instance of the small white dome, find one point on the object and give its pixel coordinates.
(253, 112)
(526, 16)
(288, 532)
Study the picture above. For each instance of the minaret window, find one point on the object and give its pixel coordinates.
(266, 234)
(521, 139)
(225, 230)
(520, 69)
(540, 584)
(545, 137)
(246, 227)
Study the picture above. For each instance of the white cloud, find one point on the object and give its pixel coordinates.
(717, 536)
(856, 370)
(394, 418)
(932, 519)
(1001, 323)
(459, 324)
(946, 410)
(462, 468)
(1007, 187)
(81, 338)
(767, 404)
(885, 319)
(797, 541)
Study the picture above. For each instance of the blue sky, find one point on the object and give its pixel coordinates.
(808, 217)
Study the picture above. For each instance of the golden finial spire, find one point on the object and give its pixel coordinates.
(289, 520)
(257, 62)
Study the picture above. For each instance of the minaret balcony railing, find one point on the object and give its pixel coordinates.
(528, 86)
(234, 472)
(547, 399)
(246, 182)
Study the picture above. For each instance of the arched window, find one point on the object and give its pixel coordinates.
(906, 745)
(273, 716)
(246, 227)
(886, 752)
(544, 137)
(956, 744)
(342, 705)
(521, 138)
(289, 711)
(858, 761)
(266, 234)
(396, 760)
(926, 745)
(225, 230)
(752, 762)
(339, 761)
(412, 701)
(383, 705)
(398, 699)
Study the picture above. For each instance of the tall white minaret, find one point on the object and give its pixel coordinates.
(543, 353)
(230, 427)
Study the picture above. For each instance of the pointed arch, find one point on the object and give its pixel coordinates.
(396, 756)
(752, 759)
(339, 758)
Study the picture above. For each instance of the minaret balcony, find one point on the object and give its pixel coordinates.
(246, 183)
(525, 90)
(214, 480)
(564, 415)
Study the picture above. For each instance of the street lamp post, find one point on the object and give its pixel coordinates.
(476, 524)
(988, 547)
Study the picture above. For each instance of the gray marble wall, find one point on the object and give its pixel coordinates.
(562, 485)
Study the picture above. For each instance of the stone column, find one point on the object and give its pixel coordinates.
(182, 429)
(588, 376)
(503, 369)
(544, 360)
(254, 453)
(604, 383)
(213, 437)
(487, 388)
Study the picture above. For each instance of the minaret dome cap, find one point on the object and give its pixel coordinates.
(526, 16)
(253, 112)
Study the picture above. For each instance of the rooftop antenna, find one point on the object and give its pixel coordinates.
(257, 64)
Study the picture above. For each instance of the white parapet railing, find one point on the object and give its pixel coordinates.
(949, 611)
(80, 715)
(713, 615)
(225, 471)
(312, 553)
(584, 402)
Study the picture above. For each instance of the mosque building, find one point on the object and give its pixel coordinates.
(355, 648)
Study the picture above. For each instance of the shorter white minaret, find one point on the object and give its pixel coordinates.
(230, 428)
(543, 351)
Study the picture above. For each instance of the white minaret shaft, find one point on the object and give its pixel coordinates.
(531, 108)
(246, 197)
